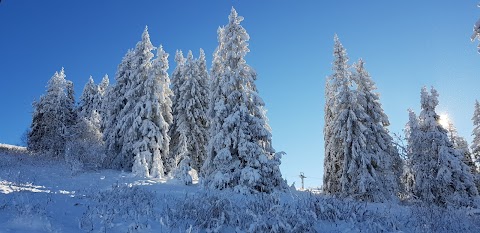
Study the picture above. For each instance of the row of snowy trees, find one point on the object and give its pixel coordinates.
(215, 124)
(362, 161)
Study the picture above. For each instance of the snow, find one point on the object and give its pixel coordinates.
(38, 194)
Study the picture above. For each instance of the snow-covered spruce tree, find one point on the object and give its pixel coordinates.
(460, 144)
(101, 98)
(384, 157)
(53, 114)
(192, 107)
(177, 80)
(142, 122)
(160, 65)
(360, 159)
(182, 171)
(158, 94)
(412, 136)
(333, 158)
(440, 175)
(476, 136)
(113, 104)
(103, 86)
(88, 99)
(240, 153)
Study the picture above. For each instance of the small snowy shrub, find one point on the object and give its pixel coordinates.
(438, 219)
(182, 173)
(229, 211)
(29, 211)
(84, 149)
(123, 204)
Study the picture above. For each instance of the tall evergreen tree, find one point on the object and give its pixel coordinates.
(102, 98)
(192, 107)
(89, 99)
(333, 155)
(113, 104)
(135, 110)
(412, 135)
(440, 176)
(388, 167)
(240, 154)
(476, 136)
(160, 67)
(177, 80)
(149, 132)
(53, 116)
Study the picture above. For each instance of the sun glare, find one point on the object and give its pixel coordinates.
(444, 120)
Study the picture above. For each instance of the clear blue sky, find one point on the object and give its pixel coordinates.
(406, 44)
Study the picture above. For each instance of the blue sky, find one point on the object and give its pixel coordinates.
(405, 44)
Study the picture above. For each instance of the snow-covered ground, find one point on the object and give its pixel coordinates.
(39, 195)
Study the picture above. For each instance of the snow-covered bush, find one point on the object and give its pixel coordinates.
(182, 171)
(85, 149)
(28, 212)
(229, 211)
(123, 206)
(437, 219)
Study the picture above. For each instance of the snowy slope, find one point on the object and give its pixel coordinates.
(38, 195)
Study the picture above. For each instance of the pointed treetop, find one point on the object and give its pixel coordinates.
(234, 18)
(179, 59)
(162, 57)
(146, 39)
(202, 54)
(105, 79)
(340, 54)
(145, 31)
(90, 80)
(189, 56)
(336, 39)
(145, 35)
(429, 101)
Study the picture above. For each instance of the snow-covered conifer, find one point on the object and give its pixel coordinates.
(412, 134)
(114, 101)
(52, 117)
(240, 153)
(137, 135)
(389, 166)
(158, 84)
(476, 136)
(103, 86)
(360, 159)
(141, 120)
(440, 175)
(460, 144)
(88, 99)
(177, 80)
(192, 107)
(333, 158)
(182, 171)
(101, 98)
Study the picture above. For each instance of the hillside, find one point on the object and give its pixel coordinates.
(40, 195)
